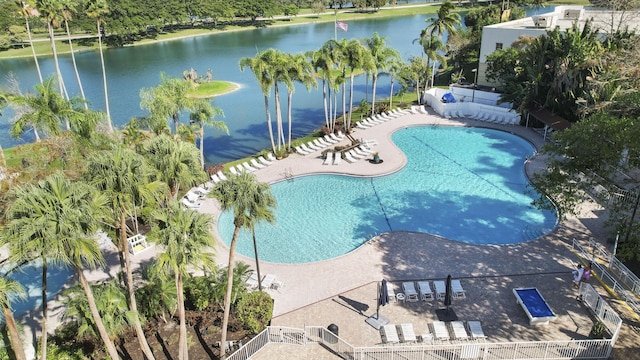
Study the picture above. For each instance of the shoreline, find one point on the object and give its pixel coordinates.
(355, 16)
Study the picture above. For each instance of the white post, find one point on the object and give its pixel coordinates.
(475, 84)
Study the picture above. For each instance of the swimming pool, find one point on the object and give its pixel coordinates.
(465, 184)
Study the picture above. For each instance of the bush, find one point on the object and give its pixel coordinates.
(598, 330)
(255, 310)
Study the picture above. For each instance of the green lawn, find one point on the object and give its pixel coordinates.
(213, 88)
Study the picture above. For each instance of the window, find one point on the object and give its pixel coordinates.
(498, 46)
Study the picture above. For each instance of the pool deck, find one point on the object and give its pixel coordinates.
(343, 290)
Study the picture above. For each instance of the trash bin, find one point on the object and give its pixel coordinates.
(333, 328)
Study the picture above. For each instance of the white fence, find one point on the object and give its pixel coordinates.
(569, 349)
(601, 309)
(617, 277)
(467, 109)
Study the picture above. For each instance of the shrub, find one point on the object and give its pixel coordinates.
(598, 330)
(255, 309)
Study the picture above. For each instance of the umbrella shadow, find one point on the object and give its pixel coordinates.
(353, 305)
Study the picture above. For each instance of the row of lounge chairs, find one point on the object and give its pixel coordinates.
(436, 331)
(269, 282)
(379, 118)
(319, 143)
(358, 153)
(425, 291)
(250, 166)
(418, 109)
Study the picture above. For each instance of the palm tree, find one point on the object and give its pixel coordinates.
(11, 290)
(187, 242)
(68, 8)
(204, 114)
(250, 201)
(177, 163)
(299, 70)
(395, 66)
(44, 111)
(27, 10)
(383, 58)
(356, 58)
(447, 20)
(54, 221)
(168, 99)
(96, 9)
(261, 70)
(434, 48)
(124, 178)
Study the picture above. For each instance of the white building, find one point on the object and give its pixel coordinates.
(499, 36)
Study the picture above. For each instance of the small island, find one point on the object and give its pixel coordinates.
(209, 89)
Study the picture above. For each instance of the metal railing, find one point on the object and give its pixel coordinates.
(617, 277)
(601, 309)
(568, 349)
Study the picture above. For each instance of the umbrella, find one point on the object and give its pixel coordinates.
(448, 295)
(383, 297)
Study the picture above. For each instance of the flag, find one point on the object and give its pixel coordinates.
(341, 25)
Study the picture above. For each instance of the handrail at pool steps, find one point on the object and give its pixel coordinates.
(622, 283)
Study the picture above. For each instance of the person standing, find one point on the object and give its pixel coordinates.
(577, 276)
(586, 274)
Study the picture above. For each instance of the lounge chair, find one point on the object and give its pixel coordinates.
(391, 293)
(247, 167)
(423, 110)
(312, 146)
(441, 289)
(256, 164)
(264, 161)
(349, 158)
(268, 280)
(233, 170)
(252, 281)
(300, 151)
(458, 330)
(410, 293)
(323, 142)
(340, 134)
(414, 109)
(439, 330)
(277, 285)
(215, 178)
(317, 143)
(458, 291)
(190, 204)
(329, 140)
(307, 149)
(271, 158)
(191, 196)
(475, 330)
(362, 126)
(406, 333)
(335, 138)
(360, 152)
(365, 150)
(425, 291)
(389, 334)
(337, 158)
(239, 168)
(221, 176)
(329, 159)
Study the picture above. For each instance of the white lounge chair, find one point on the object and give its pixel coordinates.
(439, 330)
(190, 204)
(458, 330)
(329, 159)
(221, 175)
(440, 288)
(215, 178)
(329, 140)
(422, 110)
(475, 330)
(191, 196)
(362, 126)
(317, 143)
(425, 291)
(340, 134)
(337, 158)
(406, 333)
(233, 170)
(300, 151)
(311, 146)
(391, 293)
(355, 155)
(410, 293)
(247, 167)
(349, 158)
(360, 152)
(264, 161)
(335, 138)
(458, 291)
(239, 168)
(252, 281)
(389, 334)
(323, 142)
(256, 164)
(271, 158)
(307, 149)
(365, 150)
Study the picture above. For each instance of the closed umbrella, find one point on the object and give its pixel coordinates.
(448, 295)
(383, 297)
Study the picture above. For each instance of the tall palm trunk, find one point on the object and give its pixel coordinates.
(344, 102)
(104, 335)
(391, 92)
(202, 145)
(350, 97)
(373, 93)
(227, 296)
(45, 311)
(33, 49)
(279, 131)
(16, 340)
(183, 350)
(175, 123)
(104, 79)
(63, 92)
(133, 306)
(255, 251)
(266, 107)
(324, 100)
(289, 117)
(75, 66)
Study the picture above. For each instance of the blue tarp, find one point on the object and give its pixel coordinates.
(448, 98)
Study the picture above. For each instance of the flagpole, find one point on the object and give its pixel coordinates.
(335, 25)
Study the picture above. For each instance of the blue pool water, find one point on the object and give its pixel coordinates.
(465, 184)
